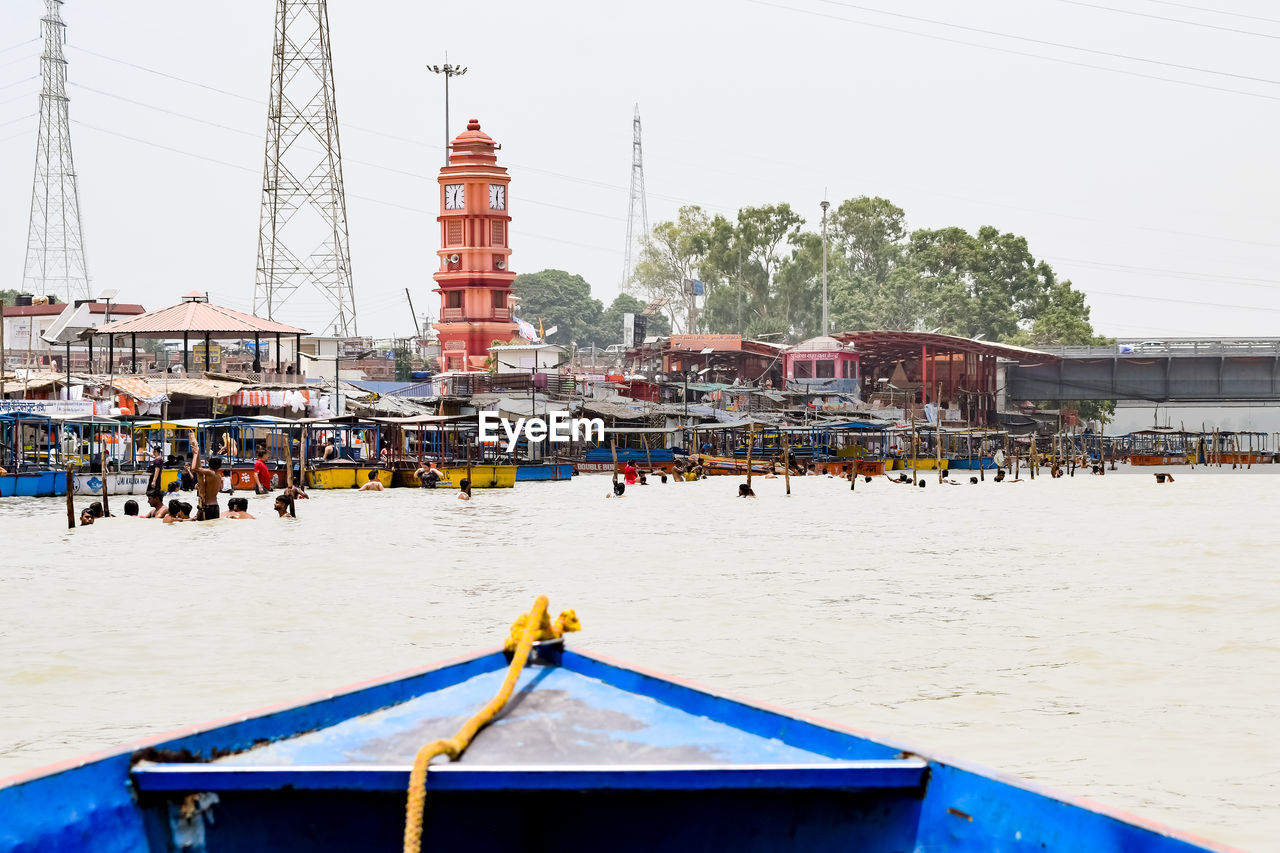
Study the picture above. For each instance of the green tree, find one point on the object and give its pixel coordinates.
(672, 252)
(561, 299)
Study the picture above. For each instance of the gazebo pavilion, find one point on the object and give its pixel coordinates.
(197, 317)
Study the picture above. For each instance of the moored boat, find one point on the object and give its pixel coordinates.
(542, 471)
(614, 757)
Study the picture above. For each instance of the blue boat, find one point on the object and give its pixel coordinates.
(544, 471)
(984, 462)
(589, 754)
(637, 456)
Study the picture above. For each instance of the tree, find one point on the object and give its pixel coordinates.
(672, 252)
(558, 298)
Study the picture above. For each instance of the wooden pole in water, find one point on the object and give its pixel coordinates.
(751, 429)
(288, 474)
(71, 503)
(302, 456)
(786, 460)
(613, 448)
(1102, 443)
(106, 505)
(1031, 455)
(913, 450)
(938, 434)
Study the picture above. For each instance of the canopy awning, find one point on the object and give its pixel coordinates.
(196, 318)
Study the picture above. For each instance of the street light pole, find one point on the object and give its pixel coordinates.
(825, 205)
(448, 71)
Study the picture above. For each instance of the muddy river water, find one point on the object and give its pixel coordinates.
(1104, 636)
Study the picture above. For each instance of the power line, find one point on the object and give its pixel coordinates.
(1170, 20)
(376, 132)
(19, 118)
(18, 45)
(1241, 281)
(1215, 11)
(23, 80)
(1010, 51)
(346, 159)
(1047, 43)
(1201, 303)
(605, 185)
(369, 199)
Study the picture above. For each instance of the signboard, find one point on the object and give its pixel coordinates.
(628, 331)
(697, 343)
(215, 355)
(47, 408)
(19, 334)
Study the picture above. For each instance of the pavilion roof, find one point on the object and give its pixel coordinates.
(901, 346)
(197, 318)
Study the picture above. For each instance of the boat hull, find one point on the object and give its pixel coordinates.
(33, 484)
(670, 767)
(551, 471)
(337, 477)
(134, 483)
(984, 463)
(1149, 459)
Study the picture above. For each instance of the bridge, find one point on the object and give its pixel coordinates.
(1170, 370)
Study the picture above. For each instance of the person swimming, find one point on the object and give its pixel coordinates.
(619, 490)
(131, 508)
(464, 489)
(428, 475)
(178, 511)
(373, 485)
(238, 508)
(745, 491)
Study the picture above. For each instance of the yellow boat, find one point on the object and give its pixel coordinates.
(482, 477)
(384, 476)
(332, 477)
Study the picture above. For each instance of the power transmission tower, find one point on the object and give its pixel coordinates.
(302, 235)
(55, 238)
(638, 203)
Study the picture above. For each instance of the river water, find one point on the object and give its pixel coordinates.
(1104, 636)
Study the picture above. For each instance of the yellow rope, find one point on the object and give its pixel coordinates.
(530, 627)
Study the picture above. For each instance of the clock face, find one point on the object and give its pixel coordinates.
(455, 197)
(497, 197)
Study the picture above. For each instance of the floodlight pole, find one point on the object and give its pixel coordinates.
(825, 205)
(448, 71)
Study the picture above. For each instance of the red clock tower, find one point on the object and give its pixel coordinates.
(474, 278)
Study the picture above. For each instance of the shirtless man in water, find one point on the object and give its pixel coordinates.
(208, 484)
(374, 484)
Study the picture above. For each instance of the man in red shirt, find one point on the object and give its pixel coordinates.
(263, 473)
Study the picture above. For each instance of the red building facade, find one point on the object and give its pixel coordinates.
(474, 276)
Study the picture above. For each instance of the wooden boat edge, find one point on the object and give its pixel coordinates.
(691, 697)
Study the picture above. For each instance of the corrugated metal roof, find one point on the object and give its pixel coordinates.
(209, 388)
(197, 318)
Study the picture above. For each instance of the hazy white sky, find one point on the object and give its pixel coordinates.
(1156, 198)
